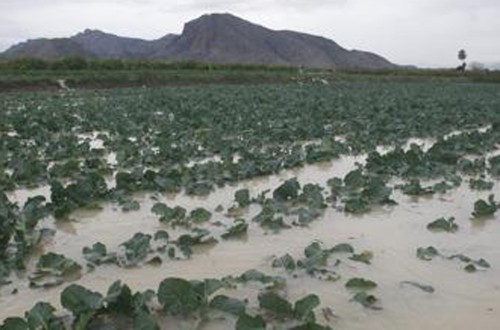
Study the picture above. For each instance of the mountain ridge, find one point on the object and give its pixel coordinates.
(212, 38)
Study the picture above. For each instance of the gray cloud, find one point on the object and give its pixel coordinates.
(425, 32)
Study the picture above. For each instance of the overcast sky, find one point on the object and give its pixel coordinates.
(420, 32)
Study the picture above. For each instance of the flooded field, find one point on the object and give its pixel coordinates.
(393, 233)
(223, 208)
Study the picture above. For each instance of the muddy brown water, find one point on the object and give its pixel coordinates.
(461, 300)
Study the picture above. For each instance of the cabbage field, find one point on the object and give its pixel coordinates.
(359, 204)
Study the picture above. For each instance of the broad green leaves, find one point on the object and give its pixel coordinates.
(242, 197)
(275, 304)
(136, 249)
(287, 191)
(427, 253)
(82, 303)
(97, 254)
(247, 322)
(179, 297)
(360, 284)
(484, 208)
(51, 269)
(41, 316)
(228, 305)
(304, 307)
(443, 224)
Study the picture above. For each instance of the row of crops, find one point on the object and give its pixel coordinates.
(92, 150)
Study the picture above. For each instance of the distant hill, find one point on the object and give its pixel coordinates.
(215, 38)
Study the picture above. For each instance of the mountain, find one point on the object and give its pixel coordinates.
(47, 49)
(105, 45)
(215, 38)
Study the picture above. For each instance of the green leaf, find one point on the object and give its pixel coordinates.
(253, 275)
(136, 249)
(145, 321)
(427, 253)
(315, 257)
(286, 262)
(199, 237)
(366, 300)
(357, 283)
(228, 305)
(56, 264)
(354, 179)
(311, 326)
(200, 215)
(242, 197)
(274, 303)
(247, 322)
(131, 206)
(304, 307)
(470, 268)
(356, 204)
(480, 184)
(342, 248)
(41, 316)
(306, 216)
(414, 188)
(483, 208)
(161, 235)
(33, 211)
(239, 229)
(140, 300)
(178, 296)
(82, 303)
(14, 323)
(168, 214)
(443, 224)
(364, 257)
(98, 254)
(119, 299)
(288, 190)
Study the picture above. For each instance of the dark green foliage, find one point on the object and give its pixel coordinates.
(287, 262)
(98, 254)
(360, 284)
(169, 215)
(242, 197)
(82, 303)
(427, 253)
(366, 300)
(56, 263)
(178, 296)
(275, 304)
(364, 257)
(484, 208)
(247, 322)
(119, 299)
(303, 308)
(200, 215)
(287, 191)
(228, 305)
(8, 216)
(136, 249)
(14, 323)
(41, 316)
(238, 229)
(480, 184)
(443, 224)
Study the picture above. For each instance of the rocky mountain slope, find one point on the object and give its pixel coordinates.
(215, 38)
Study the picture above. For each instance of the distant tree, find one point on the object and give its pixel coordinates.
(462, 56)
